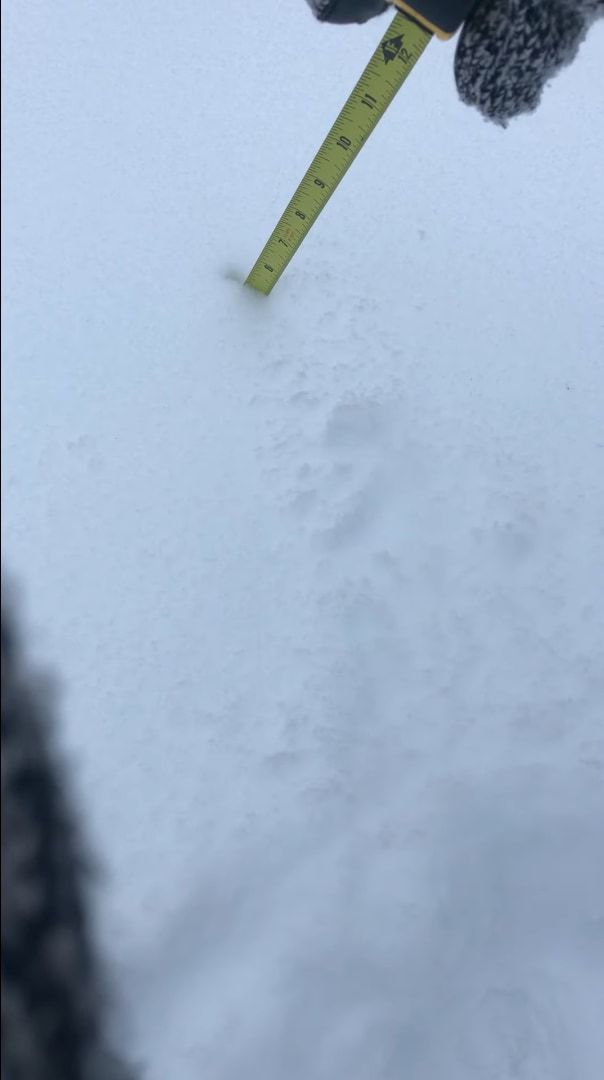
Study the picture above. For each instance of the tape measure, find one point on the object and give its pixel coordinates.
(393, 60)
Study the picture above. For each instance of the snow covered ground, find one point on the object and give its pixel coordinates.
(323, 574)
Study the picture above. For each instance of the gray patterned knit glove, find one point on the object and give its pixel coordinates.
(507, 51)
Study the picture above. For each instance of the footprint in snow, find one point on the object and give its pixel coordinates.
(354, 426)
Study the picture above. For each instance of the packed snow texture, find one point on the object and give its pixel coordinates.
(321, 575)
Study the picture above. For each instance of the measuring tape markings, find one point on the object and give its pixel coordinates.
(393, 60)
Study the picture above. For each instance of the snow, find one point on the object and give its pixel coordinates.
(321, 574)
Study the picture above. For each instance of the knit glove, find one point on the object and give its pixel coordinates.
(507, 50)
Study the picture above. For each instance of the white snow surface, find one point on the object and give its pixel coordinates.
(321, 575)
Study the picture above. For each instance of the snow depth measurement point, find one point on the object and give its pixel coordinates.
(394, 59)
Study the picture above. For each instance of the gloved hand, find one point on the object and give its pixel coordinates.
(507, 50)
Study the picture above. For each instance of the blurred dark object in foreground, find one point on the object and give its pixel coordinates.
(53, 1008)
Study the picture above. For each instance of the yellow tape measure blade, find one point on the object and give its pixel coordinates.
(391, 63)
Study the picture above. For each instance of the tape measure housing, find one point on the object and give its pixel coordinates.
(442, 17)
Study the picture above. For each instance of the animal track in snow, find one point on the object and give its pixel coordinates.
(355, 425)
(336, 491)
